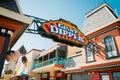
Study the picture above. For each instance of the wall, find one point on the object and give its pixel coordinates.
(100, 41)
(72, 50)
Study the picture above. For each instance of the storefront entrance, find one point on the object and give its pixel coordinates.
(80, 77)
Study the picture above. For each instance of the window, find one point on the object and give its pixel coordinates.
(110, 47)
(89, 52)
(116, 75)
(104, 76)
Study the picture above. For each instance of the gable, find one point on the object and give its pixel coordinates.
(10, 5)
(98, 18)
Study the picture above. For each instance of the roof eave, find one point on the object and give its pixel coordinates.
(15, 16)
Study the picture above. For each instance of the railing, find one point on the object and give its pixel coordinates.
(49, 62)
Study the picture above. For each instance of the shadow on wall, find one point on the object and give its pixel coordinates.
(70, 63)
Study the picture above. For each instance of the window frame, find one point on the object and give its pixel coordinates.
(115, 76)
(113, 44)
(87, 53)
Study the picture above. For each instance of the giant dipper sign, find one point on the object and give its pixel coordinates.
(65, 32)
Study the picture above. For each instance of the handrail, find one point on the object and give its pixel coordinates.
(49, 62)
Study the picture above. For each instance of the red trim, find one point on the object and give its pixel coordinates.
(105, 28)
(96, 66)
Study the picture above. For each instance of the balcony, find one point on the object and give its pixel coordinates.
(49, 62)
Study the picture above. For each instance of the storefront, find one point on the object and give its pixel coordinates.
(60, 75)
(45, 76)
(50, 72)
(108, 72)
(80, 76)
(77, 74)
(56, 75)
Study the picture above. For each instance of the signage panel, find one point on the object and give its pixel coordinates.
(65, 32)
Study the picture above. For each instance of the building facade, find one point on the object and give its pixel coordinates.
(99, 60)
(103, 50)
(46, 64)
(50, 62)
(28, 69)
(12, 25)
(73, 67)
(101, 57)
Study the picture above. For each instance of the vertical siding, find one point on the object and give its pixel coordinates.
(2, 39)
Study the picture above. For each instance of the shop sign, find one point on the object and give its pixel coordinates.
(44, 75)
(52, 73)
(60, 74)
(65, 32)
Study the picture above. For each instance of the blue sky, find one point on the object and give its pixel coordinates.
(71, 10)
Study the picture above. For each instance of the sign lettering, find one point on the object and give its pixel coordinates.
(65, 32)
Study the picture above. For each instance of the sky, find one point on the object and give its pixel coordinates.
(70, 10)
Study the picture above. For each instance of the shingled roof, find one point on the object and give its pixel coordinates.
(12, 5)
(22, 50)
(99, 18)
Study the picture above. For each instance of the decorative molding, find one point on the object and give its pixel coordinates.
(116, 27)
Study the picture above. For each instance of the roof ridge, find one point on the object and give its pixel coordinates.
(97, 8)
